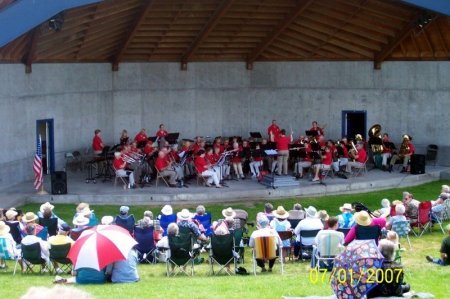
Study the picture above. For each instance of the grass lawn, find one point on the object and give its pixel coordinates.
(421, 275)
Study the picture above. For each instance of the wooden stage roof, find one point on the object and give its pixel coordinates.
(117, 31)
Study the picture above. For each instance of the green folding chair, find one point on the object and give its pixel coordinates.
(31, 257)
(58, 256)
(181, 255)
(222, 253)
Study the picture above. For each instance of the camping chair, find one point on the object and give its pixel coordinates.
(328, 248)
(165, 220)
(423, 218)
(344, 231)
(43, 234)
(436, 217)
(51, 224)
(265, 249)
(239, 247)
(287, 235)
(432, 151)
(367, 233)
(181, 255)
(15, 231)
(294, 222)
(222, 253)
(123, 177)
(205, 220)
(446, 212)
(126, 223)
(360, 170)
(58, 255)
(146, 244)
(5, 253)
(31, 257)
(305, 249)
(201, 178)
(402, 228)
(159, 176)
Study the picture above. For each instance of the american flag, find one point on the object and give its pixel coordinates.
(37, 165)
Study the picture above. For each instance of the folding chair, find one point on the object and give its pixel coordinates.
(402, 228)
(423, 217)
(6, 253)
(58, 255)
(126, 223)
(31, 257)
(238, 235)
(205, 220)
(165, 220)
(344, 231)
(181, 255)
(15, 231)
(265, 249)
(123, 178)
(436, 217)
(146, 244)
(286, 235)
(328, 248)
(43, 234)
(367, 233)
(446, 212)
(359, 170)
(222, 253)
(306, 248)
(51, 224)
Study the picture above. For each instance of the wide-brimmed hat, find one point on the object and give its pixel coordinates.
(46, 206)
(396, 202)
(347, 207)
(363, 218)
(184, 214)
(11, 214)
(80, 220)
(124, 210)
(29, 217)
(167, 210)
(280, 213)
(228, 212)
(311, 212)
(4, 229)
(323, 215)
(107, 220)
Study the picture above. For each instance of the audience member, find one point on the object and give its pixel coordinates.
(107, 220)
(46, 211)
(166, 217)
(204, 219)
(323, 216)
(311, 222)
(268, 209)
(444, 260)
(30, 218)
(184, 218)
(332, 224)
(363, 229)
(163, 244)
(61, 238)
(399, 216)
(31, 238)
(296, 213)
(124, 271)
(11, 247)
(385, 209)
(280, 224)
(346, 219)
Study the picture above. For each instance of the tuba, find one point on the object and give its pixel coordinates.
(375, 141)
(404, 147)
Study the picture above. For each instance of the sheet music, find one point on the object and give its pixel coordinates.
(181, 154)
(271, 152)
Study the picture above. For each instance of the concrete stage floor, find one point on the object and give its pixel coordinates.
(243, 190)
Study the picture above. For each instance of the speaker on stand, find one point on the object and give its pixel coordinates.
(59, 182)
(417, 164)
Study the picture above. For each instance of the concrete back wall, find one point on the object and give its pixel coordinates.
(213, 99)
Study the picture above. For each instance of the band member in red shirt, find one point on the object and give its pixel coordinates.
(315, 127)
(119, 166)
(325, 165)
(360, 158)
(236, 161)
(405, 152)
(161, 133)
(141, 136)
(306, 161)
(165, 168)
(218, 143)
(257, 163)
(97, 143)
(387, 151)
(124, 138)
(283, 151)
(205, 169)
(273, 131)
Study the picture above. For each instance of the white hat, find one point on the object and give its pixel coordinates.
(347, 207)
(29, 217)
(46, 206)
(86, 211)
(385, 203)
(11, 214)
(80, 220)
(4, 229)
(311, 212)
(117, 154)
(228, 212)
(184, 214)
(106, 220)
(167, 210)
(124, 210)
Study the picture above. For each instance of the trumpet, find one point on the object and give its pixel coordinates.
(132, 157)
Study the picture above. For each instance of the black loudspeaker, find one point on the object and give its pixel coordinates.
(59, 182)
(417, 164)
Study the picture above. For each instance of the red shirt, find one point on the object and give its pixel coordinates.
(140, 137)
(411, 148)
(328, 158)
(118, 163)
(213, 158)
(362, 155)
(148, 150)
(97, 143)
(161, 133)
(201, 164)
(274, 129)
(283, 142)
(174, 156)
(161, 163)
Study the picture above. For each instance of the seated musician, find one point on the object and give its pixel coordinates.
(273, 131)
(218, 143)
(120, 167)
(217, 154)
(305, 161)
(226, 145)
(245, 156)
(327, 159)
(236, 161)
(97, 143)
(197, 145)
(341, 153)
(406, 150)
(161, 133)
(133, 156)
(205, 169)
(175, 159)
(141, 137)
(319, 130)
(387, 151)
(186, 147)
(165, 169)
(124, 137)
(257, 161)
(360, 158)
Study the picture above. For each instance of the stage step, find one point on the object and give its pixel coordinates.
(275, 181)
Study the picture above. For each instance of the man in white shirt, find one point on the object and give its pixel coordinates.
(32, 239)
(311, 222)
(336, 239)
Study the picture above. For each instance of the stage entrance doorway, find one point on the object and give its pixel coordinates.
(44, 127)
(354, 122)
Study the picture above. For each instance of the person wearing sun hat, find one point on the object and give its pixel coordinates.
(311, 222)
(29, 218)
(166, 217)
(84, 210)
(11, 246)
(184, 220)
(346, 220)
(363, 220)
(31, 238)
(281, 224)
(46, 211)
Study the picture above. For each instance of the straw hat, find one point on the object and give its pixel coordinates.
(280, 213)
(46, 206)
(323, 215)
(81, 206)
(29, 217)
(4, 229)
(107, 220)
(11, 214)
(167, 210)
(396, 202)
(228, 212)
(184, 214)
(80, 220)
(311, 212)
(363, 218)
(347, 207)
(86, 211)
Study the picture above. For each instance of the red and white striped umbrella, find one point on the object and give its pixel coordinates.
(100, 246)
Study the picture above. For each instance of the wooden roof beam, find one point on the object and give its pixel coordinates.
(29, 56)
(146, 6)
(297, 10)
(220, 11)
(398, 38)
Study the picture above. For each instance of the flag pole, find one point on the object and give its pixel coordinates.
(42, 190)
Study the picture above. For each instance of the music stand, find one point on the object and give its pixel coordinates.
(311, 133)
(172, 138)
(255, 135)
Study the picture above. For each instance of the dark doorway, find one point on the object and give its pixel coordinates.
(354, 122)
(44, 127)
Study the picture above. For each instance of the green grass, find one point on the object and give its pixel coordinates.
(423, 276)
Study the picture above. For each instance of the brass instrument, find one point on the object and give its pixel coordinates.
(353, 151)
(375, 139)
(404, 147)
(358, 138)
